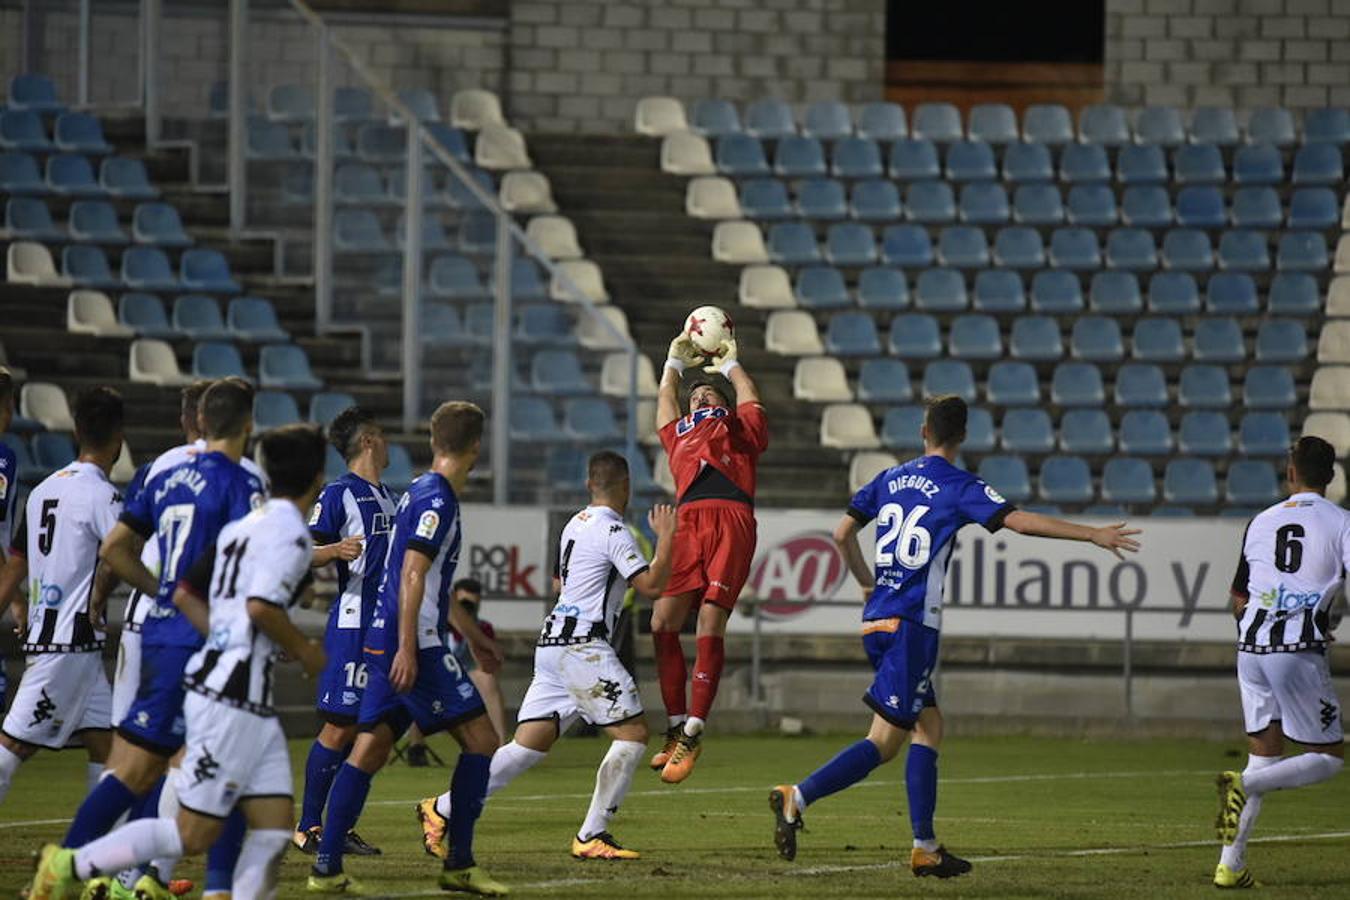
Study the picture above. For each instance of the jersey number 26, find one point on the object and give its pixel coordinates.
(903, 541)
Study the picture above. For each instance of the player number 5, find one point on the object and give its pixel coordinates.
(904, 540)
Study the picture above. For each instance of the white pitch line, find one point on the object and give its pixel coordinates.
(33, 822)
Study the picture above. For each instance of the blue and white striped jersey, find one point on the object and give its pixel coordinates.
(350, 506)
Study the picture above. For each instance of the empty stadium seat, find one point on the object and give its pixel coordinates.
(144, 314)
(1027, 163)
(324, 406)
(1264, 434)
(739, 242)
(1204, 433)
(1065, 479)
(1160, 125)
(1027, 431)
(884, 381)
(939, 122)
(993, 123)
(1038, 204)
(949, 376)
(660, 116)
(792, 244)
(829, 120)
(1140, 385)
(821, 287)
(272, 409)
(1141, 164)
(86, 265)
(1214, 125)
(979, 431)
(1281, 341)
(930, 203)
(544, 324)
(216, 359)
(1131, 248)
(1231, 294)
(792, 333)
(998, 290)
(1093, 205)
(1036, 338)
(769, 117)
(821, 379)
(286, 367)
(526, 192)
(399, 473)
(1007, 475)
(1096, 339)
(1146, 206)
(455, 277)
(1174, 293)
(53, 451)
(715, 118)
(19, 175)
(970, 161)
(940, 290)
(883, 288)
(1326, 125)
(856, 157)
(1086, 431)
(1243, 251)
(159, 224)
(1056, 291)
(1084, 164)
(153, 361)
(1077, 384)
(913, 159)
(264, 140)
(1258, 164)
(1331, 426)
(852, 244)
(254, 319)
(906, 245)
(963, 247)
(1145, 432)
(1318, 164)
(71, 175)
(1013, 384)
(1218, 340)
(848, 426)
(984, 204)
(1074, 248)
(1019, 247)
(358, 231)
(973, 337)
(590, 420)
(558, 372)
(875, 201)
(207, 270)
(882, 121)
(800, 157)
(1333, 344)
(1198, 164)
(1187, 250)
(1330, 388)
(900, 428)
(499, 147)
(22, 130)
(556, 236)
(1294, 294)
(1190, 481)
(1256, 207)
(358, 183)
(1103, 123)
(866, 466)
(1301, 251)
(199, 318)
(1312, 208)
(766, 287)
(1205, 386)
(1158, 340)
(821, 199)
(1047, 124)
(1127, 480)
(91, 312)
(915, 336)
(1201, 206)
(126, 178)
(1251, 482)
(852, 334)
(28, 218)
(31, 91)
(1115, 293)
(741, 155)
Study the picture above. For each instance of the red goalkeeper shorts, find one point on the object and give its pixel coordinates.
(714, 547)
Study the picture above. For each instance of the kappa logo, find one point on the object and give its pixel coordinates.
(206, 768)
(608, 690)
(893, 701)
(43, 710)
(1329, 713)
(615, 528)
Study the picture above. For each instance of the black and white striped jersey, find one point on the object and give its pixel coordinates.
(1294, 557)
(65, 520)
(598, 557)
(264, 556)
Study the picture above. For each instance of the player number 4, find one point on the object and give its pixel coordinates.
(903, 541)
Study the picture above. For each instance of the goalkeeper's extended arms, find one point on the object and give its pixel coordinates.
(681, 355)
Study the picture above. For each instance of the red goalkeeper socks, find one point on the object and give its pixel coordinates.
(707, 674)
(671, 671)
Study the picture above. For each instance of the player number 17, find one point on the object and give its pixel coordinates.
(902, 540)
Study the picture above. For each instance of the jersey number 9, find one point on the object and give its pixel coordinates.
(904, 541)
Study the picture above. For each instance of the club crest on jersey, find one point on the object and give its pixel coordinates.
(691, 421)
(427, 524)
(993, 495)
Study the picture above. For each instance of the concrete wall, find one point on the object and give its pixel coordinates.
(1241, 53)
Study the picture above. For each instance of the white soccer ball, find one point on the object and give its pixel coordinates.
(707, 327)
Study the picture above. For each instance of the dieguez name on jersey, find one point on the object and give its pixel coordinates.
(690, 422)
(919, 483)
(189, 478)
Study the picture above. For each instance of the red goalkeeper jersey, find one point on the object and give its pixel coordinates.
(713, 452)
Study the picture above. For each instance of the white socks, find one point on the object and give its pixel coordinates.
(676, 721)
(1292, 772)
(9, 764)
(255, 875)
(508, 762)
(612, 781)
(693, 726)
(1234, 855)
(92, 773)
(168, 811)
(132, 844)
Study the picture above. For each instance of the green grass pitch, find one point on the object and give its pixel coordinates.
(1038, 817)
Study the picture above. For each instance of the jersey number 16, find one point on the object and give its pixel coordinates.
(904, 541)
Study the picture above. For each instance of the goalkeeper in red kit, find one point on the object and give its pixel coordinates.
(713, 451)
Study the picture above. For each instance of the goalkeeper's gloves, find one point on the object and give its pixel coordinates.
(683, 354)
(724, 360)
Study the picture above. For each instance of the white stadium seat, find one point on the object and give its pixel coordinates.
(766, 287)
(28, 262)
(1338, 296)
(91, 312)
(556, 237)
(153, 362)
(46, 403)
(1345, 214)
(868, 465)
(646, 423)
(685, 153)
(526, 192)
(1333, 427)
(586, 275)
(1333, 346)
(848, 426)
(792, 333)
(592, 333)
(821, 379)
(1342, 263)
(473, 108)
(1330, 388)
(659, 116)
(665, 479)
(125, 468)
(500, 147)
(1336, 490)
(739, 242)
(712, 197)
(614, 376)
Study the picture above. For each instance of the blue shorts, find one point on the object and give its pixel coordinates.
(154, 721)
(441, 697)
(343, 679)
(903, 661)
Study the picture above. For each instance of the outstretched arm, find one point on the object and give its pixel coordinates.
(681, 355)
(1109, 537)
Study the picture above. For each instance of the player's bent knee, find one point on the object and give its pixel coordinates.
(635, 731)
(19, 748)
(198, 832)
(337, 737)
(268, 813)
(371, 749)
(478, 736)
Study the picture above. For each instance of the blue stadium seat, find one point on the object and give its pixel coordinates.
(1128, 480)
(1294, 294)
(379, 143)
(1326, 125)
(1268, 387)
(19, 175)
(1187, 250)
(915, 336)
(1027, 163)
(769, 117)
(558, 372)
(1214, 124)
(821, 287)
(1231, 294)
(1264, 434)
(359, 183)
(1115, 293)
(1027, 431)
(272, 409)
(1252, 482)
(33, 92)
(856, 157)
(1271, 125)
(1038, 204)
(254, 319)
(144, 314)
(875, 200)
(87, 266)
(1158, 340)
(1313, 208)
(900, 428)
(1048, 124)
(1131, 249)
(159, 224)
(455, 277)
(23, 131)
(1198, 164)
(1145, 432)
(949, 376)
(1218, 340)
(852, 334)
(1084, 164)
(532, 420)
(198, 317)
(358, 231)
(1204, 432)
(914, 159)
(714, 118)
(479, 320)
(998, 290)
(264, 140)
(1074, 248)
(882, 288)
(963, 247)
(1092, 205)
(984, 203)
(1141, 164)
(1077, 384)
(1159, 125)
(28, 218)
(882, 121)
(1103, 123)
(765, 199)
(291, 102)
(1190, 481)
(1205, 387)
(906, 245)
(352, 104)
(1065, 479)
(72, 176)
(850, 244)
(1243, 251)
(1302, 251)
(527, 283)
(544, 323)
(1201, 206)
(1173, 512)
(940, 290)
(1036, 338)
(970, 161)
(208, 271)
(398, 476)
(1007, 475)
(974, 336)
(216, 359)
(884, 381)
(1096, 339)
(1019, 247)
(741, 155)
(1013, 384)
(297, 185)
(434, 238)
(993, 123)
(930, 203)
(1146, 206)
(1056, 291)
(938, 122)
(829, 120)
(793, 244)
(979, 431)
(458, 194)
(147, 268)
(1140, 385)
(590, 420)
(1086, 431)
(422, 103)
(1173, 294)
(53, 450)
(95, 222)
(1257, 164)
(1257, 207)
(451, 138)
(1281, 341)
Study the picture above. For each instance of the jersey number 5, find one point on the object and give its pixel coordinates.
(904, 541)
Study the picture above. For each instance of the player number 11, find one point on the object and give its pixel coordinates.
(904, 541)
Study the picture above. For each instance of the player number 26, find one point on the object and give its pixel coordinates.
(901, 539)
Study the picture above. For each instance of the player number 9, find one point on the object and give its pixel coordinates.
(903, 541)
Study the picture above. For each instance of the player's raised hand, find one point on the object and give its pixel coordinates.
(726, 353)
(1116, 538)
(683, 351)
(403, 670)
(662, 519)
(349, 548)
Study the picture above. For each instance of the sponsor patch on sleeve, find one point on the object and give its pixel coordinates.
(314, 516)
(993, 494)
(427, 525)
(4, 486)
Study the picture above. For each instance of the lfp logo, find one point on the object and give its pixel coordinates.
(791, 575)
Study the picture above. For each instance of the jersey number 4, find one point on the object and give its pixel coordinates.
(903, 540)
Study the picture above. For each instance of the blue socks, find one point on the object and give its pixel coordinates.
(921, 786)
(345, 801)
(853, 764)
(320, 770)
(468, 789)
(224, 853)
(147, 807)
(99, 812)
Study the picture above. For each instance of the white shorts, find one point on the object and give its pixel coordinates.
(127, 675)
(1293, 689)
(585, 680)
(232, 755)
(60, 694)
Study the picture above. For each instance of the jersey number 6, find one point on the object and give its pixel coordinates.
(904, 540)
